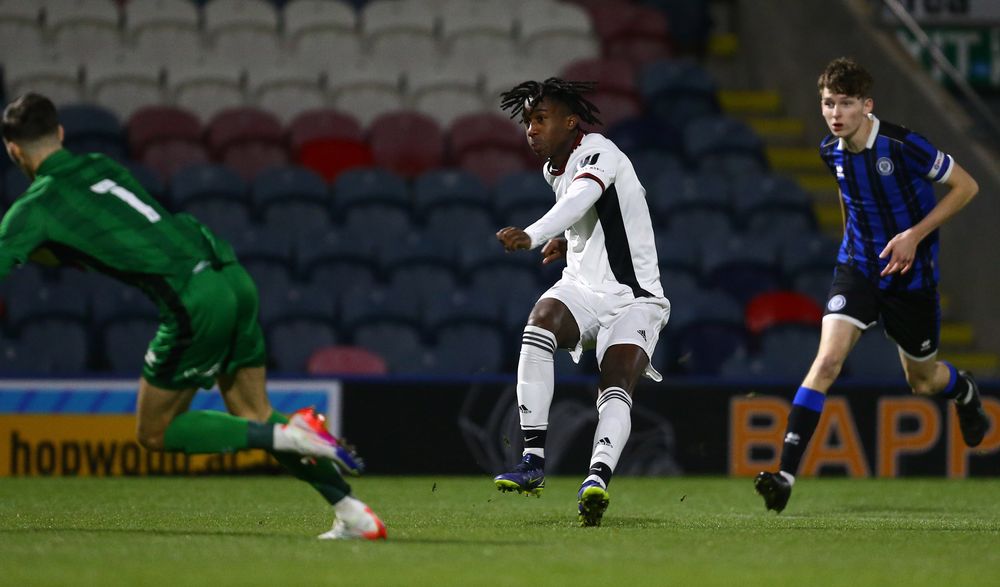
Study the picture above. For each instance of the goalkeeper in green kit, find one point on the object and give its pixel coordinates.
(87, 210)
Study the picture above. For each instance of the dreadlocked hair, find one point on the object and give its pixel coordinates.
(570, 93)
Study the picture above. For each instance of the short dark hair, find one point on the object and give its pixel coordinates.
(845, 76)
(567, 92)
(29, 118)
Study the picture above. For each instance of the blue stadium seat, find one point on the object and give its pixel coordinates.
(338, 275)
(704, 346)
(29, 301)
(649, 165)
(291, 341)
(148, 179)
(788, 351)
(711, 305)
(53, 346)
(875, 356)
(522, 189)
(228, 219)
(401, 345)
(15, 183)
(125, 342)
(264, 243)
(677, 91)
(204, 182)
(644, 133)
(506, 278)
(711, 136)
(814, 251)
(448, 186)
(295, 215)
(430, 284)
(525, 214)
(273, 279)
(284, 184)
(701, 225)
(363, 305)
(704, 191)
(111, 300)
(814, 282)
(469, 349)
(463, 306)
(92, 129)
(425, 248)
(460, 223)
(369, 186)
(378, 219)
(677, 253)
(299, 301)
(743, 267)
(357, 246)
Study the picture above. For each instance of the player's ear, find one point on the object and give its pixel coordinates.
(868, 105)
(62, 133)
(572, 122)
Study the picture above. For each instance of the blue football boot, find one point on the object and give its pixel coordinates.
(592, 502)
(528, 477)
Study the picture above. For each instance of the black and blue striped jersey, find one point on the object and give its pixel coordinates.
(886, 189)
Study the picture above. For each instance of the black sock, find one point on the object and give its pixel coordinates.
(534, 438)
(601, 470)
(802, 421)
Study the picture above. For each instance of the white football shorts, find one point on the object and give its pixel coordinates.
(609, 318)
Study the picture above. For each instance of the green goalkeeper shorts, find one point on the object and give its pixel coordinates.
(210, 329)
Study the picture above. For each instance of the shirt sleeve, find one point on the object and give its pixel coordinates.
(22, 230)
(926, 160)
(581, 196)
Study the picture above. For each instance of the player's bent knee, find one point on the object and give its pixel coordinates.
(828, 367)
(148, 438)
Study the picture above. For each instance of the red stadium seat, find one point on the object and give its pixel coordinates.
(242, 124)
(323, 123)
(781, 307)
(615, 106)
(169, 157)
(489, 146)
(157, 124)
(330, 156)
(341, 360)
(406, 142)
(611, 75)
(250, 158)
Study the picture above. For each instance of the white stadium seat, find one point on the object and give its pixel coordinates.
(82, 28)
(462, 17)
(286, 91)
(164, 32)
(58, 80)
(243, 32)
(364, 92)
(20, 31)
(124, 86)
(207, 88)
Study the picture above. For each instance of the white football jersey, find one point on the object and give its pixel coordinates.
(610, 247)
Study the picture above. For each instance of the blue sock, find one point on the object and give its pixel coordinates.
(951, 390)
(806, 409)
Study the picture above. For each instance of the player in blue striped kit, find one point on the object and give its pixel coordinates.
(887, 264)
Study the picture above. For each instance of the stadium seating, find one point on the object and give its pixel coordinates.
(125, 341)
(206, 182)
(468, 349)
(292, 341)
(243, 32)
(164, 32)
(345, 360)
(401, 345)
(52, 345)
(206, 88)
(443, 187)
(875, 356)
(124, 86)
(407, 143)
(781, 307)
(92, 129)
(20, 33)
(83, 27)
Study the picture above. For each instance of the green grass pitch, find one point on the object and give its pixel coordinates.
(461, 531)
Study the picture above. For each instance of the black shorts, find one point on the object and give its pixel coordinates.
(912, 318)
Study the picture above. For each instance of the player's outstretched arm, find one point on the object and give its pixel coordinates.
(902, 249)
(514, 239)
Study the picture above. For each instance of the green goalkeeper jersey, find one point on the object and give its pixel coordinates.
(88, 210)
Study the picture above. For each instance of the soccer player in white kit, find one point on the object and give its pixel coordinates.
(609, 296)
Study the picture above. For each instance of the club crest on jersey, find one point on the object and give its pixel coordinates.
(840, 172)
(588, 161)
(836, 303)
(884, 166)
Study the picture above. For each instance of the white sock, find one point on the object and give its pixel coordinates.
(614, 424)
(535, 381)
(282, 440)
(965, 397)
(349, 508)
(788, 477)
